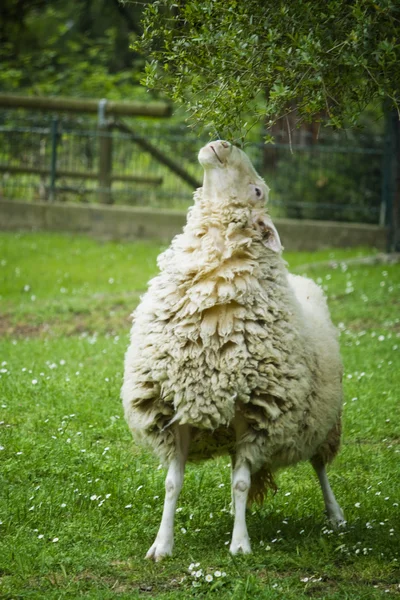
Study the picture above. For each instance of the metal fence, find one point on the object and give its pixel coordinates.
(338, 177)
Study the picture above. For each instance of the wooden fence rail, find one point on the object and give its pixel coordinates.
(145, 179)
(85, 105)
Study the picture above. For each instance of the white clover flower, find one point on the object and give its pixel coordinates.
(34, 381)
(54, 540)
(357, 504)
(209, 578)
(183, 530)
(128, 506)
(41, 536)
(94, 497)
(198, 573)
(63, 505)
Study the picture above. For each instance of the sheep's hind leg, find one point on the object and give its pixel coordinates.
(164, 541)
(335, 513)
(240, 490)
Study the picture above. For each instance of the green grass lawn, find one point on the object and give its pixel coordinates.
(80, 504)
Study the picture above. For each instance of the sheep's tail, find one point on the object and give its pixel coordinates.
(261, 482)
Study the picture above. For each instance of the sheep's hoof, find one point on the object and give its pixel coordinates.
(241, 546)
(159, 551)
(337, 520)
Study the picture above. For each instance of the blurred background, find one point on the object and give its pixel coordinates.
(81, 50)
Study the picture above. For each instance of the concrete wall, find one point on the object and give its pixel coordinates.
(126, 223)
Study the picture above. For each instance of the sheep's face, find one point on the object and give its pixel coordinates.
(229, 175)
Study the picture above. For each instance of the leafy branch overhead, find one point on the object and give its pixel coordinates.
(232, 62)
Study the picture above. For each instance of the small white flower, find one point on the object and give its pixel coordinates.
(94, 497)
(217, 574)
(128, 506)
(34, 381)
(357, 504)
(183, 530)
(63, 505)
(208, 578)
(139, 488)
(54, 540)
(41, 536)
(198, 573)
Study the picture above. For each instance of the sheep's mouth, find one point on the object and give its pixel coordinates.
(215, 152)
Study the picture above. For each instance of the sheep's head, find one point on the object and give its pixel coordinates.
(230, 176)
(234, 191)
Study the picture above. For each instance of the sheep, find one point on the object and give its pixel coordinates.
(230, 354)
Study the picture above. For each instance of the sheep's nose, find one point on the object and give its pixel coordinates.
(221, 148)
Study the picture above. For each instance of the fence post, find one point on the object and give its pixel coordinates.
(390, 209)
(53, 164)
(105, 155)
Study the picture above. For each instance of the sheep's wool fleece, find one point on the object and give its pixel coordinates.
(224, 330)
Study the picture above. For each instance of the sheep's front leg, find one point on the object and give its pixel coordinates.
(164, 541)
(240, 490)
(335, 513)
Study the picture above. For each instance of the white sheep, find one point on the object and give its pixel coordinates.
(230, 354)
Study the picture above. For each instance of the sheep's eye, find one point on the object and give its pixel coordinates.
(258, 192)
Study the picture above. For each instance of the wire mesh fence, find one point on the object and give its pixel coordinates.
(139, 163)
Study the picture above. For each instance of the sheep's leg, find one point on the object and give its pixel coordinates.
(173, 484)
(232, 511)
(240, 490)
(335, 513)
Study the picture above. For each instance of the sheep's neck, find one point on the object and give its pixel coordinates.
(218, 195)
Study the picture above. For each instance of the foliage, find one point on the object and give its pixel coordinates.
(262, 60)
(79, 505)
(69, 48)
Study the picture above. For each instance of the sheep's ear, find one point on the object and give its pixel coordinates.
(270, 235)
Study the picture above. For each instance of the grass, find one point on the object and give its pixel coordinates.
(80, 504)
